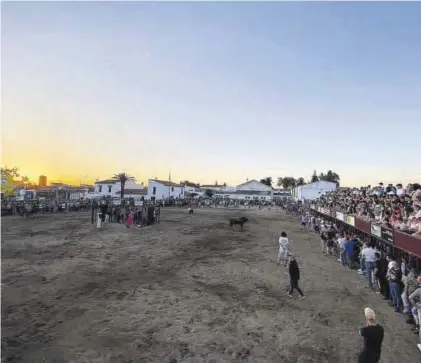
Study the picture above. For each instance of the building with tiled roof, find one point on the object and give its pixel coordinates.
(164, 189)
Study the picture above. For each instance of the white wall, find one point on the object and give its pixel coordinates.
(312, 191)
(115, 188)
(162, 191)
(254, 185)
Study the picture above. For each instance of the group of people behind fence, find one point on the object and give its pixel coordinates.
(126, 214)
(396, 281)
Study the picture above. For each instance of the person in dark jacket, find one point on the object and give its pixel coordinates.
(294, 277)
(380, 272)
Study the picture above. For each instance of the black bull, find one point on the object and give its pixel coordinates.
(238, 221)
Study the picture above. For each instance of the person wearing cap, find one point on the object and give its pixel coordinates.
(372, 334)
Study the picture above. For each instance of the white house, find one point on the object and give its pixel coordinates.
(191, 189)
(112, 188)
(161, 189)
(312, 191)
(251, 190)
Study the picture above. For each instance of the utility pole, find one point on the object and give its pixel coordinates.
(169, 187)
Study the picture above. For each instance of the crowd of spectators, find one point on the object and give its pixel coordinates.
(395, 280)
(390, 206)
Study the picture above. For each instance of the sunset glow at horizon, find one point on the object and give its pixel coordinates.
(211, 91)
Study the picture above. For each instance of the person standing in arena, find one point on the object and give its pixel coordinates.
(368, 254)
(283, 248)
(294, 277)
(415, 299)
(373, 334)
(304, 221)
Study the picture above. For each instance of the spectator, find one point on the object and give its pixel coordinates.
(372, 334)
(395, 278)
(341, 246)
(410, 286)
(323, 242)
(381, 204)
(368, 254)
(349, 246)
(331, 233)
(415, 300)
(380, 272)
(399, 190)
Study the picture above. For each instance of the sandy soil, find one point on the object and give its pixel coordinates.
(188, 290)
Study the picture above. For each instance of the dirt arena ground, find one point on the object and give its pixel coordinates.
(187, 290)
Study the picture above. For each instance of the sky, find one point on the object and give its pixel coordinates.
(212, 91)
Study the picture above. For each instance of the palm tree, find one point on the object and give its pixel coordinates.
(123, 178)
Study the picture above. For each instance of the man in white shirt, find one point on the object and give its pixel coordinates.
(341, 246)
(369, 255)
(283, 248)
(400, 190)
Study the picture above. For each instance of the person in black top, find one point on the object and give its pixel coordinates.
(294, 277)
(330, 240)
(380, 272)
(373, 334)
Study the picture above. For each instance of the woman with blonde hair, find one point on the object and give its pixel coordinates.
(373, 334)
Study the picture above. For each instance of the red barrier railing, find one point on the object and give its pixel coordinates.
(402, 241)
(363, 225)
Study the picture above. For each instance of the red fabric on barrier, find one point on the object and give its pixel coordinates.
(408, 243)
(363, 225)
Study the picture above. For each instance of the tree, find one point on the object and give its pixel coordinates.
(332, 177)
(10, 172)
(25, 180)
(314, 177)
(209, 193)
(300, 181)
(288, 182)
(279, 183)
(267, 181)
(123, 178)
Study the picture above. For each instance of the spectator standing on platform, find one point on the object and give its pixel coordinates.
(373, 334)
